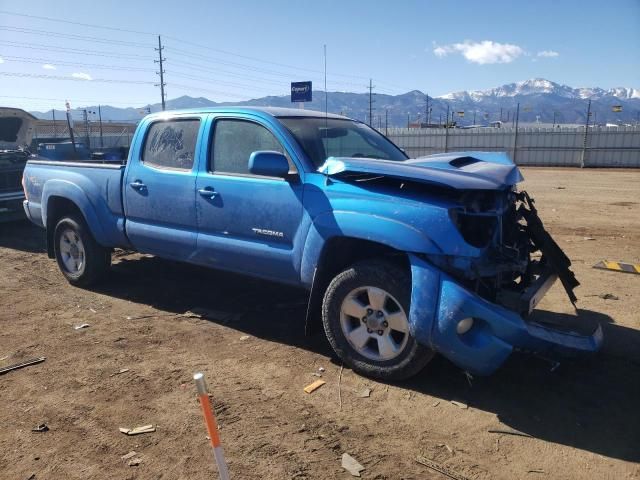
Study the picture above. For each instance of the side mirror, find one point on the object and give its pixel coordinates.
(269, 164)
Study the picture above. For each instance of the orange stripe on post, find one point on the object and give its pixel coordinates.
(209, 419)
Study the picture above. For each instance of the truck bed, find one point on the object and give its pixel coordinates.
(96, 185)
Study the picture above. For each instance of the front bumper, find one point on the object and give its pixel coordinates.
(439, 303)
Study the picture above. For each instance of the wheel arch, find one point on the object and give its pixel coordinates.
(338, 253)
(58, 207)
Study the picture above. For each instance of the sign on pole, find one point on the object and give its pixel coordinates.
(616, 108)
(300, 92)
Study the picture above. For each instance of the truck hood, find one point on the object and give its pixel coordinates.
(458, 170)
(16, 128)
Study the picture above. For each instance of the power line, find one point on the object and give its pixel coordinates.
(49, 19)
(226, 52)
(209, 80)
(114, 102)
(206, 90)
(57, 77)
(31, 31)
(73, 64)
(77, 51)
(212, 60)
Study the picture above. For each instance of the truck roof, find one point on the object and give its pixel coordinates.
(265, 111)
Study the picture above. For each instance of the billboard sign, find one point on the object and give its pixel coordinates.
(300, 92)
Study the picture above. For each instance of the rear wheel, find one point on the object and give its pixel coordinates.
(80, 258)
(365, 316)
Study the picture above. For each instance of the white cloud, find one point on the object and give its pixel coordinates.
(48, 66)
(548, 53)
(482, 53)
(82, 76)
(1, 60)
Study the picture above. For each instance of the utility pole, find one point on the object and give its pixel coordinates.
(161, 72)
(500, 114)
(85, 117)
(326, 98)
(370, 103)
(69, 124)
(100, 119)
(386, 122)
(554, 119)
(446, 132)
(515, 136)
(586, 134)
(427, 112)
(53, 113)
(474, 117)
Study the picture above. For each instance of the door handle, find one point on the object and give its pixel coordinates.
(137, 185)
(208, 192)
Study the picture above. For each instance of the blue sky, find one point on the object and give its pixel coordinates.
(236, 50)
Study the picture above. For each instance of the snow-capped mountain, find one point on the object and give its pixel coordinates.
(541, 86)
(540, 101)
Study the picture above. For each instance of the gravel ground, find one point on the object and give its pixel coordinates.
(580, 420)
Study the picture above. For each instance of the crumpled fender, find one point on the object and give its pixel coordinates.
(439, 303)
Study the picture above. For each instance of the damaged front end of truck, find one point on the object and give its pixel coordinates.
(472, 300)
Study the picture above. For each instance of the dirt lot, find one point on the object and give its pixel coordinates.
(582, 419)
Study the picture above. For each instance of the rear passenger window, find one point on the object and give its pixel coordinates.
(235, 140)
(171, 144)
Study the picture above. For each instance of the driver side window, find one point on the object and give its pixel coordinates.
(235, 140)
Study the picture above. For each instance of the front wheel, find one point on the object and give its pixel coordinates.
(80, 258)
(365, 316)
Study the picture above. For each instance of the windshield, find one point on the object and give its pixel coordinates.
(322, 138)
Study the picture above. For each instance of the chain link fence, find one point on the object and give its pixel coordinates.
(557, 147)
(111, 135)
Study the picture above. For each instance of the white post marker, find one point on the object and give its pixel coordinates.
(211, 424)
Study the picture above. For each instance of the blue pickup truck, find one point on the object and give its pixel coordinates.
(403, 258)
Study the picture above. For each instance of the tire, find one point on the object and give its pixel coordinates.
(389, 353)
(80, 258)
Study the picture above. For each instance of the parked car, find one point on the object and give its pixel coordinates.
(16, 130)
(402, 258)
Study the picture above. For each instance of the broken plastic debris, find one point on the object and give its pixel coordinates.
(128, 455)
(459, 404)
(138, 430)
(314, 386)
(41, 428)
(244, 337)
(81, 326)
(351, 465)
(122, 370)
(134, 462)
(364, 393)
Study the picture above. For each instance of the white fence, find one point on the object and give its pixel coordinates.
(558, 147)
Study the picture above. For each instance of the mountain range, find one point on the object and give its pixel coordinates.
(541, 101)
